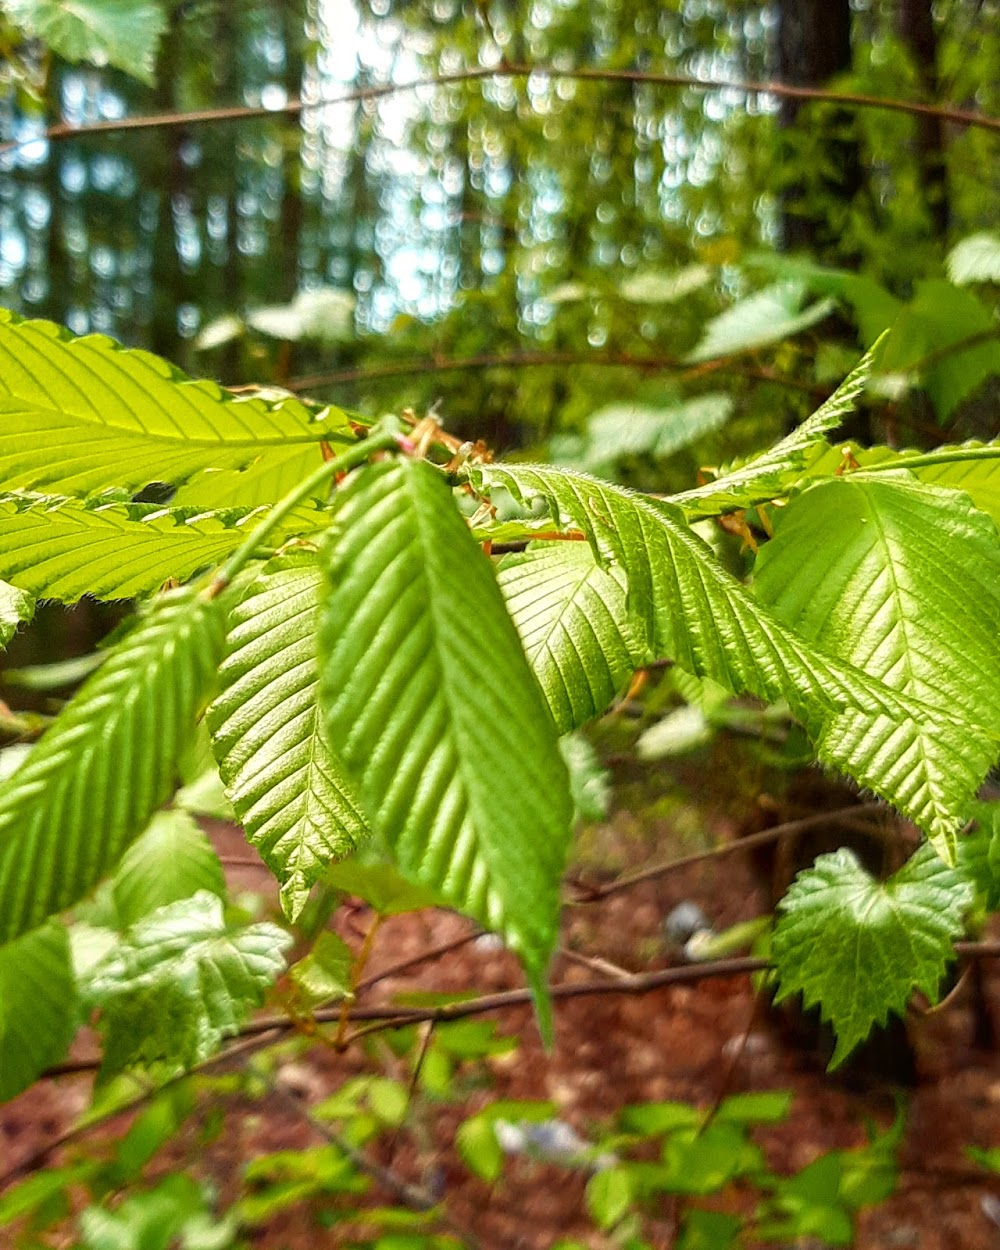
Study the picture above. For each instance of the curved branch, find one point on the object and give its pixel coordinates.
(294, 107)
(540, 360)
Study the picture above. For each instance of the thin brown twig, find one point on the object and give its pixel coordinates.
(954, 349)
(261, 1032)
(411, 1086)
(540, 360)
(593, 964)
(428, 956)
(294, 107)
(733, 1060)
(412, 1196)
(416, 1197)
(593, 894)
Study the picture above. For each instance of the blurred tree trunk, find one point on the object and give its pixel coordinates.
(293, 23)
(814, 45)
(916, 29)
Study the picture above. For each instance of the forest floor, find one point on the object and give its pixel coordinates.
(689, 1042)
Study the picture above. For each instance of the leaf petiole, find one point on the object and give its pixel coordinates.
(350, 459)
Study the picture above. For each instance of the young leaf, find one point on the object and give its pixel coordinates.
(123, 33)
(640, 430)
(84, 414)
(16, 607)
(574, 624)
(588, 779)
(702, 618)
(771, 475)
(975, 258)
(432, 705)
(859, 947)
(172, 860)
(38, 1012)
(759, 321)
(902, 580)
(653, 286)
(91, 783)
(63, 548)
(181, 981)
(325, 973)
(285, 782)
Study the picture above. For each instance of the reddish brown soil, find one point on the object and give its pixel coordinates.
(676, 1043)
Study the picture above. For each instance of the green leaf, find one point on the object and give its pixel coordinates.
(699, 616)
(859, 947)
(621, 430)
(152, 1129)
(975, 259)
(281, 775)
(652, 286)
(574, 625)
(38, 1006)
(589, 781)
(63, 548)
(609, 1195)
(653, 1118)
(44, 678)
(173, 1213)
(809, 1205)
(874, 308)
(39, 1188)
(172, 860)
(708, 1230)
(704, 1160)
(91, 783)
(122, 33)
(430, 700)
(82, 415)
(972, 467)
(943, 316)
(902, 580)
(380, 886)
(770, 1106)
(325, 973)
(682, 730)
(771, 474)
(16, 607)
(760, 320)
(265, 481)
(180, 981)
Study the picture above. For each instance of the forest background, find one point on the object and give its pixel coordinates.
(637, 238)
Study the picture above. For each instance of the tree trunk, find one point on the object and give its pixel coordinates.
(813, 45)
(916, 28)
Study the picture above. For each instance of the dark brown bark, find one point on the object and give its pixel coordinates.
(814, 45)
(916, 29)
